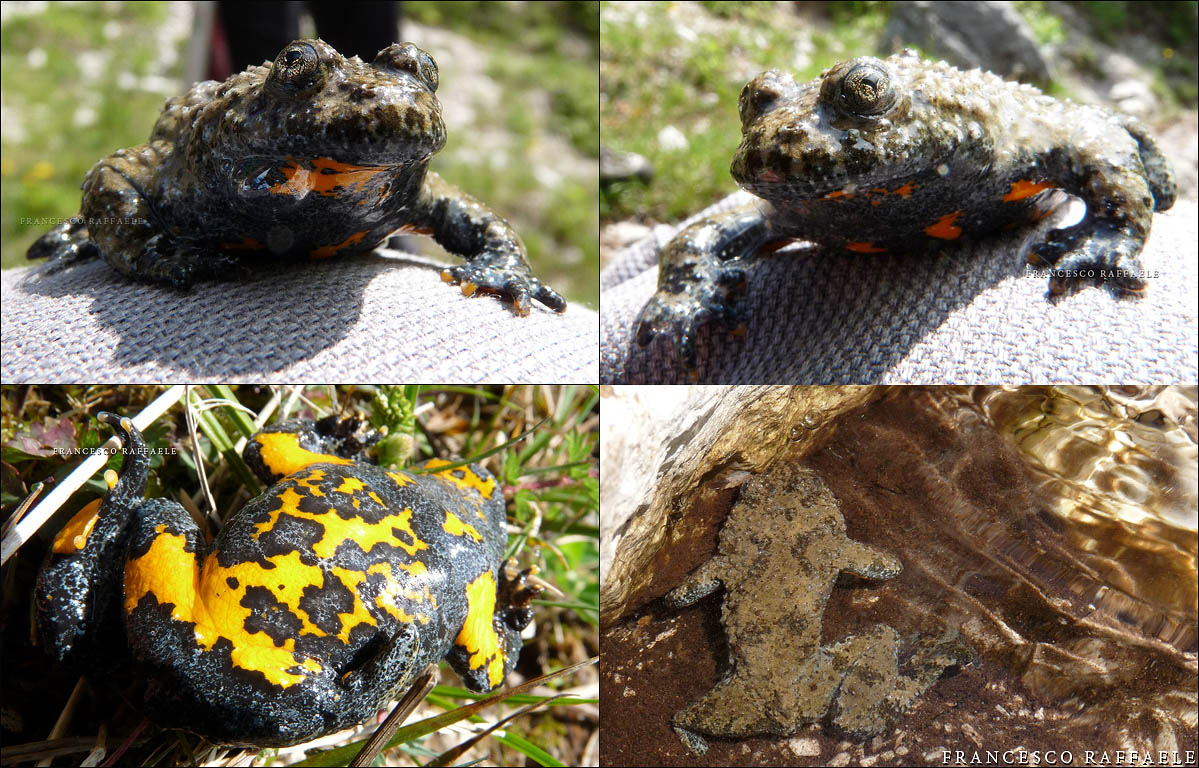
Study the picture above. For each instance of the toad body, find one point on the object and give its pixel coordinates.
(904, 155)
(780, 551)
(315, 604)
(309, 157)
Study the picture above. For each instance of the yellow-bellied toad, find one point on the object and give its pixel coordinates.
(316, 602)
(907, 155)
(312, 156)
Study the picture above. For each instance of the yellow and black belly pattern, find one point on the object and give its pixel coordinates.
(318, 600)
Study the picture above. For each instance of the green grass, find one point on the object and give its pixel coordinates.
(68, 103)
(661, 66)
(538, 441)
(541, 55)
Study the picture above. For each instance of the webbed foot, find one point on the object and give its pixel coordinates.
(876, 690)
(699, 273)
(691, 740)
(63, 246)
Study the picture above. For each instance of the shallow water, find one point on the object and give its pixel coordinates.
(1120, 468)
(1054, 528)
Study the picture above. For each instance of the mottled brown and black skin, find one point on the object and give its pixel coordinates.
(904, 155)
(311, 156)
(315, 603)
(781, 550)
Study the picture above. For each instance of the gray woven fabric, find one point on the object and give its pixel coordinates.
(383, 317)
(974, 314)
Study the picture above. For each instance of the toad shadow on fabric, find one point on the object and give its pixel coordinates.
(385, 315)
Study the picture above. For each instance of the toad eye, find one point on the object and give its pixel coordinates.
(760, 94)
(866, 91)
(297, 68)
(408, 58)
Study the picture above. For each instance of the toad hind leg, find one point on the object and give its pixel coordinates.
(1158, 173)
(874, 691)
(699, 272)
(1120, 199)
(118, 213)
(744, 704)
(736, 707)
(1098, 252)
(78, 604)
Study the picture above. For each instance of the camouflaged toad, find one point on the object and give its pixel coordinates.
(780, 552)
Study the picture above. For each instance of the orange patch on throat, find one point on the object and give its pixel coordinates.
(325, 176)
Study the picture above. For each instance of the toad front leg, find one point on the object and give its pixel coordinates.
(698, 273)
(495, 256)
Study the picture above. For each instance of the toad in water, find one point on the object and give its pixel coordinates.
(780, 551)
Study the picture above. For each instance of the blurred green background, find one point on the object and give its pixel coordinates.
(670, 74)
(81, 80)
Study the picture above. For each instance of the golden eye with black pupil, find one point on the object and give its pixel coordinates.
(866, 91)
(297, 68)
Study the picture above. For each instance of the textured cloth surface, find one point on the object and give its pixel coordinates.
(973, 314)
(385, 317)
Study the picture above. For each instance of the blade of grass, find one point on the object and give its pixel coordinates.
(342, 755)
(445, 758)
